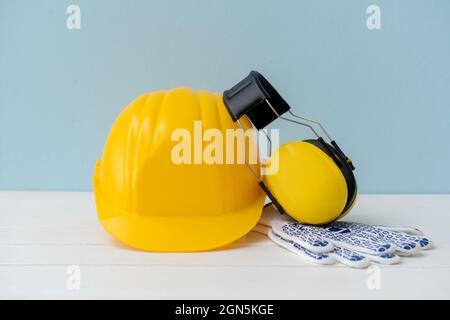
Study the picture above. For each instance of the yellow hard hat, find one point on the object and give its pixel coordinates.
(149, 202)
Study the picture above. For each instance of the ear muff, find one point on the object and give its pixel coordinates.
(307, 183)
(312, 181)
(346, 172)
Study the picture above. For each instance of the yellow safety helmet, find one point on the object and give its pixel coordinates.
(312, 181)
(149, 202)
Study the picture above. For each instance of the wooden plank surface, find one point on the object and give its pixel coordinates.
(42, 234)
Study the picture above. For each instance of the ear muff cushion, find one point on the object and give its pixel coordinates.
(346, 172)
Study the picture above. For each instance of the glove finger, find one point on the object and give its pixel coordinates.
(345, 256)
(404, 243)
(409, 230)
(314, 257)
(387, 258)
(420, 239)
(404, 246)
(350, 258)
(344, 237)
(307, 240)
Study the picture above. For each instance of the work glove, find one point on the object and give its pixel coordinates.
(354, 244)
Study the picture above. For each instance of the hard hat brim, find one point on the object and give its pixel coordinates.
(180, 233)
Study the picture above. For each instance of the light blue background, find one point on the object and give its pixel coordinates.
(384, 94)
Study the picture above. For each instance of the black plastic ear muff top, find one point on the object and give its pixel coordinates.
(256, 98)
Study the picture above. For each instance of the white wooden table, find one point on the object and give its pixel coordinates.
(43, 233)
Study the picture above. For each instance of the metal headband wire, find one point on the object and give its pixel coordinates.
(300, 123)
(290, 120)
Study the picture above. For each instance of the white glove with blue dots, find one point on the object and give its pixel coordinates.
(354, 244)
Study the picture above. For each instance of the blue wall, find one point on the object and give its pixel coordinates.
(384, 94)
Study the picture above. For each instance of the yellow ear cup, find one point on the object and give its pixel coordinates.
(306, 182)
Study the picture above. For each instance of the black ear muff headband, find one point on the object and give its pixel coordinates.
(256, 98)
